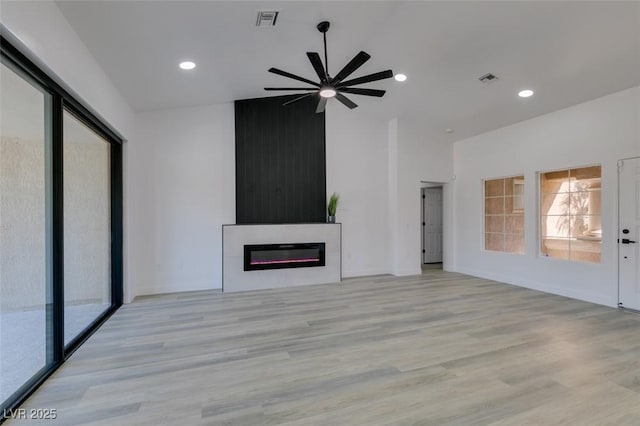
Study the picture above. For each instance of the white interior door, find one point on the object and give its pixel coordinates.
(431, 225)
(629, 234)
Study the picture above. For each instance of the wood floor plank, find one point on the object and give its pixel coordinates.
(436, 349)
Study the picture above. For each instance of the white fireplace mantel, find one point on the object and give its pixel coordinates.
(235, 237)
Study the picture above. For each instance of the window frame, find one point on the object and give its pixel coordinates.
(518, 211)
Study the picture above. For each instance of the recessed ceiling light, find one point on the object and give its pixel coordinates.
(525, 93)
(400, 77)
(449, 130)
(187, 65)
(327, 92)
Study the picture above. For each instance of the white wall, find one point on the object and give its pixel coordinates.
(41, 28)
(175, 241)
(600, 131)
(421, 156)
(377, 167)
(183, 190)
(356, 146)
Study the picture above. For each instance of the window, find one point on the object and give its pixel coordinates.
(570, 214)
(504, 214)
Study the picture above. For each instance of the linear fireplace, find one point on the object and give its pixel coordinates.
(279, 256)
(246, 248)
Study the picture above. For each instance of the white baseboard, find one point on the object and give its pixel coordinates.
(540, 286)
(407, 272)
(363, 273)
(177, 287)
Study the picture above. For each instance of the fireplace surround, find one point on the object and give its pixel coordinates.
(278, 253)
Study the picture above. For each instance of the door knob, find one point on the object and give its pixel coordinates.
(627, 241)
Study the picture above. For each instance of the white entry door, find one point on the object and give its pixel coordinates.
(431, 225)
(629, 234)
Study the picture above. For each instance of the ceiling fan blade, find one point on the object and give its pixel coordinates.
(317, 66)
(368, 78)
(299, 98)
(321, 104)
(293, 76)
(346, 101)
(366, 92)
(348, 69)
(290, 88)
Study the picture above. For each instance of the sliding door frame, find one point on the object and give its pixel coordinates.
(62, 101)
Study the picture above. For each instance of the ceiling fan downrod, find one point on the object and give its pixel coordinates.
(323, 27)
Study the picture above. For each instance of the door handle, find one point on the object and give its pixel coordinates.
(627, 241)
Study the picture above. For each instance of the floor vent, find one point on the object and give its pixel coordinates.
(267, 18)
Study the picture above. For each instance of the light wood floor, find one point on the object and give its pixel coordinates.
(435, 349)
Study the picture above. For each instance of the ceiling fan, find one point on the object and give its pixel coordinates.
(329, 87)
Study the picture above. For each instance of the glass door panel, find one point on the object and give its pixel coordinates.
(25, 231)
(87, 226)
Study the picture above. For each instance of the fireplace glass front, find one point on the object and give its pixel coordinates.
(279, 256)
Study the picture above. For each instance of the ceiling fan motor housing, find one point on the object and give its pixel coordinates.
(323, 26)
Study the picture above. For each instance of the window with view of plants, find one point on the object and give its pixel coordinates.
(570, 214)
(504, 214)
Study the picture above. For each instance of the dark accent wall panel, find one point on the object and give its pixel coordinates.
(280, 161)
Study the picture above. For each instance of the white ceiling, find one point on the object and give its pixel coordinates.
(568, 52)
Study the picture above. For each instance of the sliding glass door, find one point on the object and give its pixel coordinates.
(25, 230)
(60, 225)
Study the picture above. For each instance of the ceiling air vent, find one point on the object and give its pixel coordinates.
(488, 78)
(267, 18)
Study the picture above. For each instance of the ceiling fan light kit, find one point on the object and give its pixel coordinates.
(327, 92)
(328, 86)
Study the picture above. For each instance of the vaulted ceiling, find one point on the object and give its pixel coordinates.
(567, 52)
